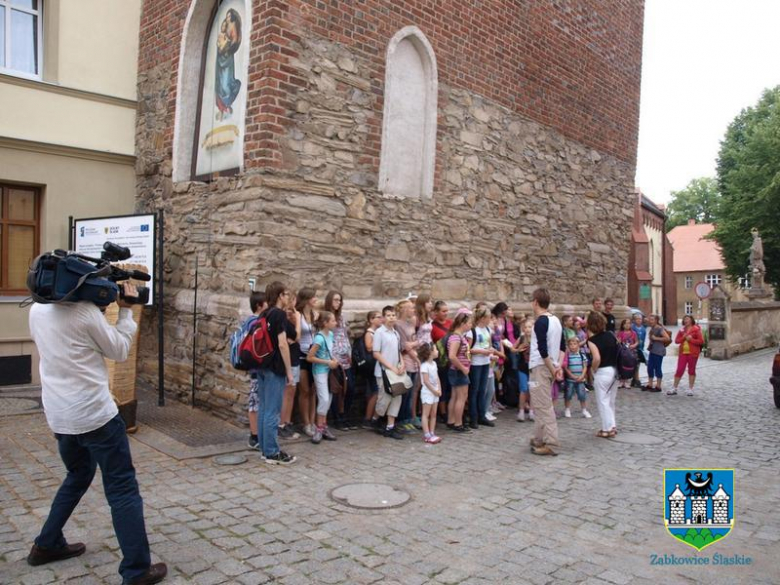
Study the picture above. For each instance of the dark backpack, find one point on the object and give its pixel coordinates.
(257, 348)
(626, 361)
(362, 359)
(236, 338)
(443, 361)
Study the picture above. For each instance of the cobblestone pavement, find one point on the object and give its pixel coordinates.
(484, 510)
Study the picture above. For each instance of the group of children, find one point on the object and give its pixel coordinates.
(422, 367)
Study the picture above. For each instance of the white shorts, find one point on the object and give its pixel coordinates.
(428, 397)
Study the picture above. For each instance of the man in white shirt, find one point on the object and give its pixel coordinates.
(73, 339)
(387, 353)
(544, 364)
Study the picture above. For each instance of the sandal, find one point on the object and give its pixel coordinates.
(611, 434)
(604, 435)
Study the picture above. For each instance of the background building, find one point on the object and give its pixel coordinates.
(651, 286)
(471, 150)
(67, 138)
(697, 259)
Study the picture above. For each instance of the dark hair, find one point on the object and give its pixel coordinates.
(608, 300)
(597, 322)
(564, 317)
(329, 303)
(542, 297)
(273, 291)
(304, 296)
(424, 352)
(256, 300)
(370, 316)
(322, 318)
(459, 320)
(693, 321)
(387, 309)
(438, 305)
(500, 308)
(594, 299)
(623, 322)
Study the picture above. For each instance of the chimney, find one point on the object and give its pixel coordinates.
(691, 222)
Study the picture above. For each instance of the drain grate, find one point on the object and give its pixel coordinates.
(370, 496)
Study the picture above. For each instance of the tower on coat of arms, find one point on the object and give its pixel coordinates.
(699, 505)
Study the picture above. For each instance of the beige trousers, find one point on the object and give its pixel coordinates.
(540, 387)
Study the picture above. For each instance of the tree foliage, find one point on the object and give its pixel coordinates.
(700, 200)
(749, 184)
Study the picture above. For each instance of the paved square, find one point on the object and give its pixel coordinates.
(483, 509)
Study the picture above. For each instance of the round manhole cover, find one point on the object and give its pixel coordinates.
(230, 459)
(17, 405)
(637, 439)
(370, 496)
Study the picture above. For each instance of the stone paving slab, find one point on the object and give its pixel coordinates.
(483, 510)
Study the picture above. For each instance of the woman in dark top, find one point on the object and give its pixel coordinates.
(603, 348)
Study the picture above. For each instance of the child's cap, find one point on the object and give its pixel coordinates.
(463, 311)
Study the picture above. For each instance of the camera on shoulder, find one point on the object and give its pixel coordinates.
(59, 276)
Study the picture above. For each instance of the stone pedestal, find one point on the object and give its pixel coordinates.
(718, 319)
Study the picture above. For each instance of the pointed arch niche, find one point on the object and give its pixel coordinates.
(408, 155)
(208, 133)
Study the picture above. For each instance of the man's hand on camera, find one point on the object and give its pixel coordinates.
(129, 291)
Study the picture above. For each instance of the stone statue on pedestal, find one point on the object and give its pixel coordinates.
(757, 268)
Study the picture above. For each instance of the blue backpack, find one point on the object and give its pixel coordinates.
(235, 343)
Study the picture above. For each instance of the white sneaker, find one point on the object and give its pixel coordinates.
(586, 414)
(689, 392)
(531, 415)
(309, 430)
(521, 415)
(671, 392)
(489, 416)
(567, 413)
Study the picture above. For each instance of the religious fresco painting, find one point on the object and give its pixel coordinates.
(222, 115)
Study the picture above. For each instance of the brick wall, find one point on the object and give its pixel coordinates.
(574, 66)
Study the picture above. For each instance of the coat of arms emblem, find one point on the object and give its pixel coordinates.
(699, 505)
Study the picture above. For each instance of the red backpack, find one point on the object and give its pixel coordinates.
(257, 347)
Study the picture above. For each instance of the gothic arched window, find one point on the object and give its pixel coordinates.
(212, 89)
(408, 154)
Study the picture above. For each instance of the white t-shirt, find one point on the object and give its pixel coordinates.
(388, 343)
(482, 342)
(73, 339)
(433, 374)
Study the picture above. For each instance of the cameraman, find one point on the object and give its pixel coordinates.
(73, 339)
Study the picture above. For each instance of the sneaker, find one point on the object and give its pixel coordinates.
(308, 430)
(588, 387)
(410, 427)
(340, 425)
(636, 384)
(367, 424)
(671, 392)
(434, 439)
(473, 424)
(393, 433)
(317, 436)
(520, 416)
(486, 423)
(498, 406)
(352, 425)
(461, 429)
(531, 415)
(489, 416)
(544, 450)
(252, 443)
(567, 413)
(328, 435)
(287, 433)
(417, 423)
(281, 458)
(689, 392)
(586, 414)
(654, 390)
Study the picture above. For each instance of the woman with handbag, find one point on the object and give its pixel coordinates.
(690, 340)
(344, 380)
(322, 360)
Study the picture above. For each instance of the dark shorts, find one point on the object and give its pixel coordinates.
(457, 378)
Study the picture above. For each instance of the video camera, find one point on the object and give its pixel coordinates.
(60, 276)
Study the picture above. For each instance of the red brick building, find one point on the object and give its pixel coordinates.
(471, 149)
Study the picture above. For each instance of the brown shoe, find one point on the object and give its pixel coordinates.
(154, 574)
(41, 556)
(535, 443)
(545, 450)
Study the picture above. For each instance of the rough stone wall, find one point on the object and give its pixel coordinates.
(517, 203)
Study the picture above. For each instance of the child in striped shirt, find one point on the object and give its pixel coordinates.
(575, 366)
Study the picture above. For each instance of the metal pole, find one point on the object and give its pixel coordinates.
(194, 329)
(70, 233)
(160, 318)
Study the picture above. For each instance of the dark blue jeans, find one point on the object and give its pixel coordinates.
(270, 388)
(108, 448)
(478, 377)
(405, 414)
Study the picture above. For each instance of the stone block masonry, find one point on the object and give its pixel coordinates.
(536, 143)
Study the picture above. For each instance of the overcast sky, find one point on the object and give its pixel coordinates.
(703, 61)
